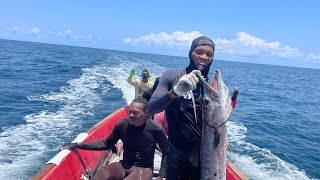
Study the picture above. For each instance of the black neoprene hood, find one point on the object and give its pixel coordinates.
(202, 40)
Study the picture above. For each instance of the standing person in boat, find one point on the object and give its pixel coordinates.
(184, 132)
(139, 135)
(140, 85)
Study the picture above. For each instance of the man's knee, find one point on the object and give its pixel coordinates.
(111, 171)
(140, 173)
(101, 173)
(149, 173)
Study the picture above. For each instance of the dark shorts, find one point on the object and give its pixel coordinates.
(183, 163)
(180, 169)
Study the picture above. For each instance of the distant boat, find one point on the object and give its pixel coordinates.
(78, 164)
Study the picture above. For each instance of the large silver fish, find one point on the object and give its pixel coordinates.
(214, 142)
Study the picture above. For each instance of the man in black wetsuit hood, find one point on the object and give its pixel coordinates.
(184, 127)
(197, 58)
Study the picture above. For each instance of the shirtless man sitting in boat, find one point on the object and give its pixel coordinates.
(139, 135)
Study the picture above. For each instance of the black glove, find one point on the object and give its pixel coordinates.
(70, 146)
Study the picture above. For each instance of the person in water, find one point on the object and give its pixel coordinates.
(139, 135)
(184, 133)
(142, 84)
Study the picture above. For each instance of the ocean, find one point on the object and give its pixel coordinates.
(51, 93)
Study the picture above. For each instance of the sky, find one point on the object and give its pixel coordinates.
(279, 32)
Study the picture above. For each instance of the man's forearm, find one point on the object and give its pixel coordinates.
(96, 145)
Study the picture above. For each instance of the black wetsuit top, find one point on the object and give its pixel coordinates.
(139, 143)
(184, 130)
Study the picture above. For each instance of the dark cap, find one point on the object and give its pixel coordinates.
(202, 40)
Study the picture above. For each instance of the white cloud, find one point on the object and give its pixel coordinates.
(248, 45)
(66, 34)
(32, 32)
(15, 30)
(23, 31)
(35, 30)
(69, 34)
(177, 39)
(84, 38)
(243, 45)
(313, 56)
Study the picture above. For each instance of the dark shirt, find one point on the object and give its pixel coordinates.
(139, 143)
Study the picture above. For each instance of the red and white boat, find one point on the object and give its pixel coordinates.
(75, 165)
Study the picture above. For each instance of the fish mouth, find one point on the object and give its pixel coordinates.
(211, 87)
(217, 74)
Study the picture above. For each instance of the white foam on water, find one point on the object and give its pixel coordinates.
(258, 163)
(23, 147)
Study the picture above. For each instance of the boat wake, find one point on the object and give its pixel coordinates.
(65, 111)
(258, 163)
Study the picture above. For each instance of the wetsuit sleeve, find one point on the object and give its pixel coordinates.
(132, 82)
(160, 99)
(106, 144)
(163, 143)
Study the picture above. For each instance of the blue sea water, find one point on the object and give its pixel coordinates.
(51, 93)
